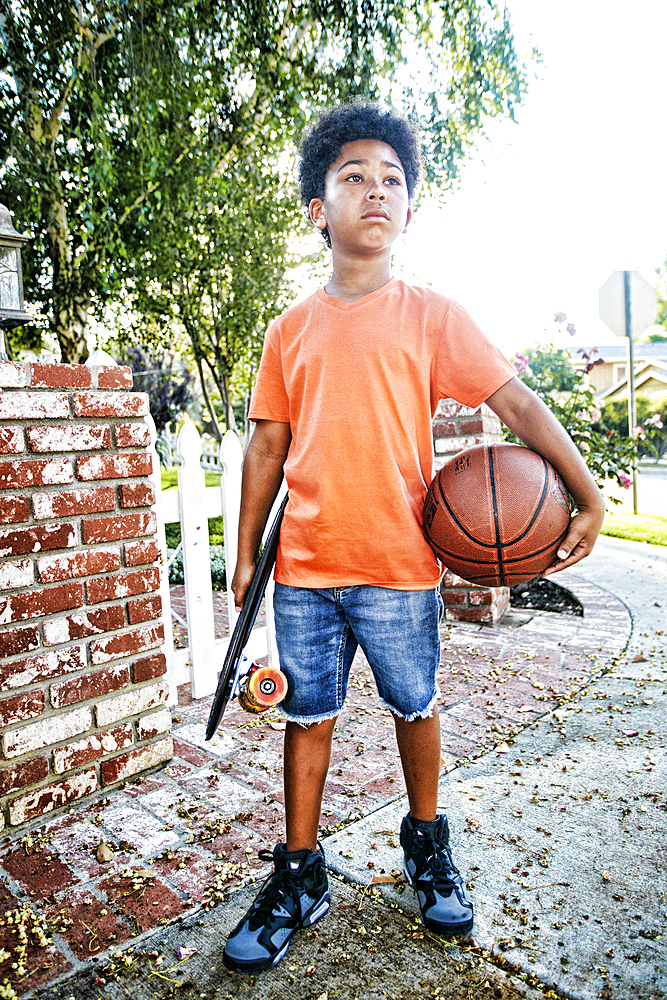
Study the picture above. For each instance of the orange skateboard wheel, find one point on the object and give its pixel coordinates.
(264, 688)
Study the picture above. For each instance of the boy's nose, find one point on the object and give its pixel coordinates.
(376, 194)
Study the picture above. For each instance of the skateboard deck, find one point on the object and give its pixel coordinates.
(235, 663)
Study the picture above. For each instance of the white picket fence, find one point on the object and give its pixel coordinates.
(210, 454)
(192, 504)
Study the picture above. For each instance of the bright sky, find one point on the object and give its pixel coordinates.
(577, 189)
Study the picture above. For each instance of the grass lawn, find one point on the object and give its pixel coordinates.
(170, 479)
(651, 528)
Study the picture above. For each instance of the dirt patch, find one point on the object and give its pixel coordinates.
(545, 595)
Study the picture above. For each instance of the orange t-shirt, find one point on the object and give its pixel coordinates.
(359, 384)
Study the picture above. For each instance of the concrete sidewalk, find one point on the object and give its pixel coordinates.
(563, 837)
(553, 778)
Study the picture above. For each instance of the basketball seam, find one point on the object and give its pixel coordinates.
(507, 565)
(499, 548)
(496, 542)
(509, 560)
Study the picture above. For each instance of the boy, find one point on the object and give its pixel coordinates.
(348, 384)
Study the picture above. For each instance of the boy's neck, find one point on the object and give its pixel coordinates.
(351, 280)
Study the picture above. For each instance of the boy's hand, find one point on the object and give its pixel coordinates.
(525, 414)
(243, 574)
(580, 539)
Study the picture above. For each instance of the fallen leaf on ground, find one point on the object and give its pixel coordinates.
(103, 852)
(183, 952)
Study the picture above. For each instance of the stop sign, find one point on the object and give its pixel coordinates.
(643, 305)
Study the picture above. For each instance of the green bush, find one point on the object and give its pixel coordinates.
(609, 453)
(216, 533)
(218, 576)
(615, 417)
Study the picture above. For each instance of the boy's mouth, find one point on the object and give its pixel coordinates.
(376, 213)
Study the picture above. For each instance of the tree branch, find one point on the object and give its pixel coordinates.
(84, 60)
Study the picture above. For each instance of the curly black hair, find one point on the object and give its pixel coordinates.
(358, 119)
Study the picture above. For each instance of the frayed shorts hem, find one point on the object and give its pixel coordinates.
(411, 716)
(308, 720)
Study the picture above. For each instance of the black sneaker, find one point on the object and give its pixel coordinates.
(296, 895)
(430, 870)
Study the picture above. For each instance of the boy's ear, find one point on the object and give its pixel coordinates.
(316, 212)
(408, 219)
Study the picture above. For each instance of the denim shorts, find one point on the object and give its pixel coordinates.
(318, 632)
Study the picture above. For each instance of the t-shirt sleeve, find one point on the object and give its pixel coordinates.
(269, 399)
(469, 368)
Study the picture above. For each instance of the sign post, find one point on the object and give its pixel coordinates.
(628, 305)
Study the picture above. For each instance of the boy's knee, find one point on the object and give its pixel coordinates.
(314, 732)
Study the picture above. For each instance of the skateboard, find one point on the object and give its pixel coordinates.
(257, 688)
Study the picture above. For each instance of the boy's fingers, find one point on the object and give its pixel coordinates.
(240, 582)
(575, 546)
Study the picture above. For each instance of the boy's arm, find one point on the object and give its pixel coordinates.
(262, 476)
(527, 416)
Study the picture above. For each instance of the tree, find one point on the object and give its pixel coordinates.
(218, 271)
(105, 108)
(166, 381)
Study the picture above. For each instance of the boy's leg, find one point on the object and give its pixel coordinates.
(297, 893)
(306, 763)
(316, 648)
(428, 863)
(399, 633)
(419, 746)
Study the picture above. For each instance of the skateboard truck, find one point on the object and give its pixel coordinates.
(258, 688)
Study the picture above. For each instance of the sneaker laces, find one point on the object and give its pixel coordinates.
(438, 857)
(279, 884)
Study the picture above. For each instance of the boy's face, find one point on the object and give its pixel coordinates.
(365, 205)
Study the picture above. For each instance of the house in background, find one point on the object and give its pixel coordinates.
(608, 377)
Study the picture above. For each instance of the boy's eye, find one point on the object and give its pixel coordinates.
(354, 177)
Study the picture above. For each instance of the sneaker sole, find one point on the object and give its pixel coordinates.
(444, 930)
(260, 965)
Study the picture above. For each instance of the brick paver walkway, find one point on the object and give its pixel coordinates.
(183, 837)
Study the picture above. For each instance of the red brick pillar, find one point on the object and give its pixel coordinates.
(82, 690)
(456, 427)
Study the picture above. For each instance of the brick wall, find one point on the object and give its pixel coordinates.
(82, 686)
(455, 428)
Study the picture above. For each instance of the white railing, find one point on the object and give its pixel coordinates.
(192, 504)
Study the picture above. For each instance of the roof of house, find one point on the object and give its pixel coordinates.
(618, 352)
(650, 369)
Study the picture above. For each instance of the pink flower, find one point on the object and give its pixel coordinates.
(638, 432)
(595, 414)
(624, 480)
(560, 317)
(656, 420)
(571, 329)
(584, 446)
(522, 364)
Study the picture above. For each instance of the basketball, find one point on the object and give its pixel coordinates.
(496, 514)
